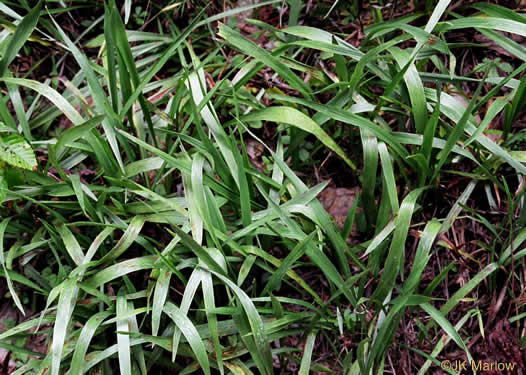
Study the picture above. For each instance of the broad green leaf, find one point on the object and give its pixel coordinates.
(16, 151)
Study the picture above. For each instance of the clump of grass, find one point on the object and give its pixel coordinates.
(141, 236)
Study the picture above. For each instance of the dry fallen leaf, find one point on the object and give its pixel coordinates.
(337, 202)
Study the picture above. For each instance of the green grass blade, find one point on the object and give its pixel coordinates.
(72, 246)
(263, 355)
(447, 327)
(209, 300)
(21, 34)
(98, 95)
(129, 236)
(370, 167)
(123, 339)
(388, 173)
(81, 347)
(255, 51)
(492, 23)
(294, 255)
(159, 297)
(190, 333)
(422, 256)
(66, 304)
(395, 257)
(291, 116)
(120, 269)
(307, 354)
(442, 342)
(7, 275)
(414, 87)
(189, 293)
